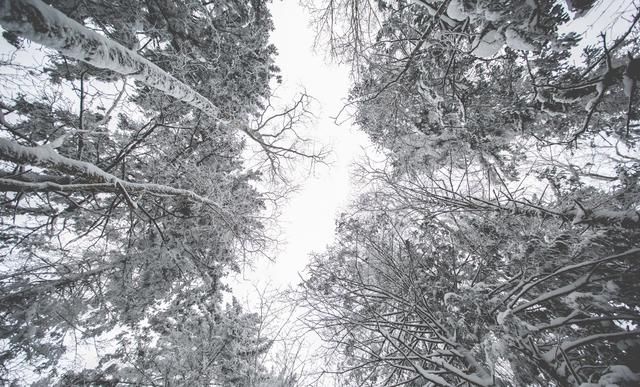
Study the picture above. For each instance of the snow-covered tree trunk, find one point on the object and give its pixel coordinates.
(43, 24)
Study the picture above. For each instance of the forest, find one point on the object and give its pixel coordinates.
(145, 157)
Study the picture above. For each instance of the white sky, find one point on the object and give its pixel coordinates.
(308, 219)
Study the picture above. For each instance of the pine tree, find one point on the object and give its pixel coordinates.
(125, 187)
(497, 243)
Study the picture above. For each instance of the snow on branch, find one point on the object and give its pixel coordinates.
(43, 24)
(575, 285)
(99, 181)
(569, 345)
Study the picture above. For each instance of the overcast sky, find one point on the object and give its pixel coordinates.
(308, 219)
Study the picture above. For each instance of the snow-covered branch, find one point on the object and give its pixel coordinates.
(554, 293)
(569, 345)
(43, 24)
(98, 180)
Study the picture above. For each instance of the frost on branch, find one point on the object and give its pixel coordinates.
(41, 23)
(123, 209)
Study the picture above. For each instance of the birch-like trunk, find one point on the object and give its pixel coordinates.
(43, 24)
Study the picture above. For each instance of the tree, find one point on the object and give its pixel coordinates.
(440, 79)
(486, 249)
(193, 341)
(124, 184)
(475, 302)
(365, 296)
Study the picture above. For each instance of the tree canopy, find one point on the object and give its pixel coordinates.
(496, 244)
(127, 198)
